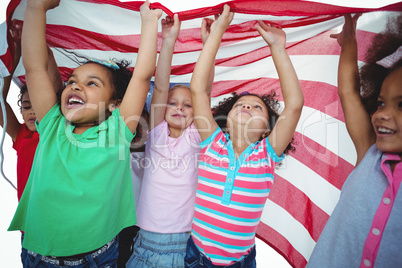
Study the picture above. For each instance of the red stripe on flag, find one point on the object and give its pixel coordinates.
(267, 7)
(56, 36)
(321, 96)
(7, 60)
(189, 40)
(281, 245)
(321, 160)
(297, 204)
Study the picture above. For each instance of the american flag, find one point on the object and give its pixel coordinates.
(307, 185)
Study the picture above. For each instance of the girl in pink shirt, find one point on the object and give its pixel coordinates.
(166, 203)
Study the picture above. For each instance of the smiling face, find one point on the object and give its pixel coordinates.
(179, 112)
(251, 113)
(28, 114)
(88, 94)
(387, 120)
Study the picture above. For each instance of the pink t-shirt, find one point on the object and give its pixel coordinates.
(167, 197)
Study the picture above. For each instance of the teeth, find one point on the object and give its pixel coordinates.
(385, 130)
(73, 100)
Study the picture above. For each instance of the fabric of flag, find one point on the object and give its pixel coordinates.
(307, 185)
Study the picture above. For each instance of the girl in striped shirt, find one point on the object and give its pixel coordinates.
(237, 162)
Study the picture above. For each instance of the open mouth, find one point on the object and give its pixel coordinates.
(178, 115)
(74, 101)
(384, 131)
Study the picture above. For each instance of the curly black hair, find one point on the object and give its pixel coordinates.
(222, 110)
(373, 75)
(23, 89)
(120, 78)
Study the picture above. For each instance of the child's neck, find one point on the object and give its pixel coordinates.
(241, 140)
(81, 128)
(392, 165)
(238, 150)
(175, 132)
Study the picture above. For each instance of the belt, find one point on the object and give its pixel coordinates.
(75, 259)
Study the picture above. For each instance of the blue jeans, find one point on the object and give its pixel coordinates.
(106, 259)
(195, 259)
(158, 250)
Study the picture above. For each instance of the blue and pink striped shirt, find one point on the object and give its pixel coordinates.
(231, 195)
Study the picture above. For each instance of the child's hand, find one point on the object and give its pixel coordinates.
(272, 34)
(206, 28)
(348, 31)
(43, 4)
(148, 14)
(16, 31)
(171, 27)
(222, 21)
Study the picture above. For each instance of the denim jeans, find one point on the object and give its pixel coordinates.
(195, 259)
(107, 259)
(158, 250)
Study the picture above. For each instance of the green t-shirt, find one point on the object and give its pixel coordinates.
(79, 194)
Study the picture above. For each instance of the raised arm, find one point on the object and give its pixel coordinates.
(136, 94)
(357, 119)
(170, 32)
(200, 92)
(13, 124)
(53, 71)
(35, 56)
(285, 127)
(205, 30)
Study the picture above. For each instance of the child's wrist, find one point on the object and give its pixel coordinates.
(37, 6)
(278, 48)
(149, 19)
(350, 42)
(215, 34)
(169, 40)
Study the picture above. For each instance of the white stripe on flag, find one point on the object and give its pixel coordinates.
(328, 132)
(289, 228)
(320, 191)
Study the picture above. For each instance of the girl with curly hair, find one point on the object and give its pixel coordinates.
(236, 166)
(221, 111)
(364, 229)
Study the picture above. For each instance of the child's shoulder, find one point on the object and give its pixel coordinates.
(217, 136)
(265, 145)
(161, 128)
(192, 133)
(372, 154)
(50, 117)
